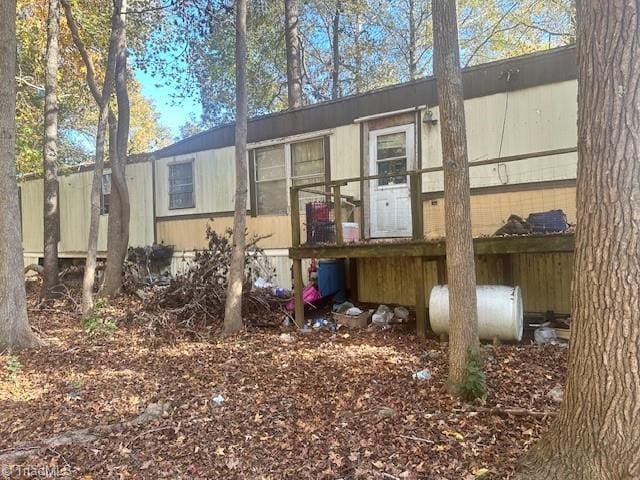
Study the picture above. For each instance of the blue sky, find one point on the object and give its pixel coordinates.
(173, 112)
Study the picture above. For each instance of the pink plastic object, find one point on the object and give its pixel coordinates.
(310, 294)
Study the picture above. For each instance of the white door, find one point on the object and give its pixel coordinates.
(391, 150)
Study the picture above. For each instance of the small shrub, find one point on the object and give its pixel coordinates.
(96, 326)
(100, 304)
(13, 367)
(474, 384)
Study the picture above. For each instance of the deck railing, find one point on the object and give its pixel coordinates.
(333, 191)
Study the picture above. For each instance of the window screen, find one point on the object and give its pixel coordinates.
(181, 185)
(271, 180)
(307, 166)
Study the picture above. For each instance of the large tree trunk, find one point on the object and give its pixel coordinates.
(335, 48)
(14, 325)
(461, 274)
(50, 155)
(120, 208)
(233, 305)
(597, 434)
(294, 63)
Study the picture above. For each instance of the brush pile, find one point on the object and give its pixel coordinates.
(144, 267)
(196, 298)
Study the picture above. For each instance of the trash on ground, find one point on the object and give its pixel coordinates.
(354, 311)
(545, 335)
(556, 394)
(217, 401)
(262, 283)
(401, 313)
(422, 375)
(287, 338)
(342, 307)
(353, 321)
(383, 316)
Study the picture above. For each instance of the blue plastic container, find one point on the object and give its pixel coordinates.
(553, 221)
(331, 279)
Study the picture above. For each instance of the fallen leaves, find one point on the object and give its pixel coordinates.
(314, 406)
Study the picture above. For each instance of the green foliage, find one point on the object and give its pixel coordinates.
(77, 117)
(474, 384)
(96, 324)
(12, 367)
(375, 48)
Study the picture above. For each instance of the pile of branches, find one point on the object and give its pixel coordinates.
(144, 267)
(196, 298)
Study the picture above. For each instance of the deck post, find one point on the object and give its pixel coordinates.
(297, 292)
(421, 308)
(441, 270)
(507, 269)
(415, 191)
(295, 217)
(337, 213)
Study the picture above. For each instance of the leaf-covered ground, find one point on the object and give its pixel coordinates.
(320, 406)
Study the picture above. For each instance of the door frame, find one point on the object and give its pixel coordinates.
(409, 130)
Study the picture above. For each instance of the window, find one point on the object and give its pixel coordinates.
(271, 180)
(181, 185)
(307, 166)
(392, 157)
(303, 162)
(105, 198)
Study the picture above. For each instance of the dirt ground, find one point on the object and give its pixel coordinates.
(323, 405)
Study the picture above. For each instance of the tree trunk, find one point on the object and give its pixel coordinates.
(50, 155)
(597, 433)
(233, 305)
(461, 274)
(15, 332)
(357, 44)
(102, 100)
(335, 46)
(294, 63)
(413, 44)
(120, 208)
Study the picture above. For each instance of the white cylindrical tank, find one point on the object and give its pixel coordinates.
(499, 311)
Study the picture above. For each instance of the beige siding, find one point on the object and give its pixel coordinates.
(31, 194)
(537, 119)
(214, 181)
(75, 211)
(190, 234)
(345, 156)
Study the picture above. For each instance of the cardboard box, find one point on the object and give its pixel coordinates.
(353, 321)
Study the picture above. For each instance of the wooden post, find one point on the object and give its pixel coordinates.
(507, 269)
(417, 221)
(441, 270)
(297, 292)
(337, 213)
(421, 308)
(295, 217)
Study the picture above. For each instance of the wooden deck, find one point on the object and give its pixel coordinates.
(424, 248)
(422, 251)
